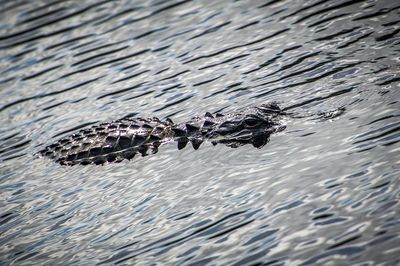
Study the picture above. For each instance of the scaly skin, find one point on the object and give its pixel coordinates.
(122, 139)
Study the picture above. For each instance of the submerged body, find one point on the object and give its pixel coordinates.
(123, 139)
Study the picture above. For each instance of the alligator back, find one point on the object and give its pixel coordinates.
(110, 142)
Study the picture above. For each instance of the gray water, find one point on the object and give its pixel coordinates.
(323, 191)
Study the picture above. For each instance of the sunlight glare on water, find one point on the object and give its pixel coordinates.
(324, 190)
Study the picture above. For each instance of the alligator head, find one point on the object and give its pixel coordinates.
(253, 126)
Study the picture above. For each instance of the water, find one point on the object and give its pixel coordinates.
(324, 191)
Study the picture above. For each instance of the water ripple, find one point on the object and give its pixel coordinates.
(324, 191)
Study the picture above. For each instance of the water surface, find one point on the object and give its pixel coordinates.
(323, 190)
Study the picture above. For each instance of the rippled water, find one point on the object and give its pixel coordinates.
(322, 191)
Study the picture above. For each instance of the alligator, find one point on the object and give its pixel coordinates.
(124, 138)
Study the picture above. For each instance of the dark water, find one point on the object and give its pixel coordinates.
(321, 192)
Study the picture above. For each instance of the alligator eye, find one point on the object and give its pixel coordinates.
(251, 122)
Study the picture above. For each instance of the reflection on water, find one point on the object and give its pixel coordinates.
(323, 190)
